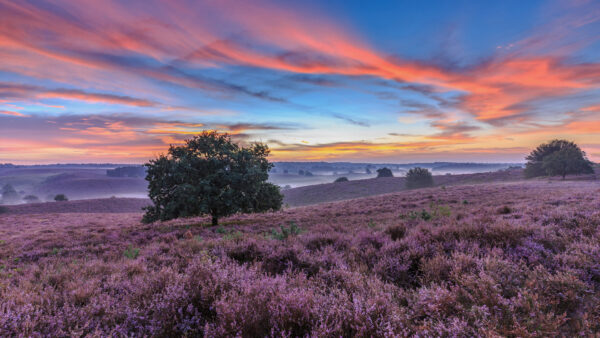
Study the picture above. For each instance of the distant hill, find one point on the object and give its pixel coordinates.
(103, 205)
(329, 192)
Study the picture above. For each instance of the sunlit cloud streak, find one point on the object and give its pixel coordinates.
(190, 57)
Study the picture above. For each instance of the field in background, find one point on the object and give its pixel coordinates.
(515, 258)
(92, 182)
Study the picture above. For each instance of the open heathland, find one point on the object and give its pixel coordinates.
(511, 259)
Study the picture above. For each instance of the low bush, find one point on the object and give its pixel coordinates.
(291, 230)
(61, 198)
(504, 210)
(418, 178)
(341, 179)
(396, 232)
(384, 172)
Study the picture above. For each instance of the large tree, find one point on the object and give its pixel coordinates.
(557, 157)
(210, 175)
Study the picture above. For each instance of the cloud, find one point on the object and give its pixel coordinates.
(13, 113)
(20, 92)
(133, 55)
(453, 129)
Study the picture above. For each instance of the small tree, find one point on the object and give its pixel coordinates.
(557, 157)
(61, 198)
(9, 194)
(210, 175)
(384, 172)
(418, 178)
(341, 179)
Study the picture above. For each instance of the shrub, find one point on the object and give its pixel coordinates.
(557, 157)
(341, 179)
(131, 252)
(504, 210)
(286, 232)
(9, 194)
(60, 198)
(396, 232)
(3, 210)
(384, 172)
(418, 178)
(210, 175)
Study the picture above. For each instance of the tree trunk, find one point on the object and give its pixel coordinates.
(215, 220)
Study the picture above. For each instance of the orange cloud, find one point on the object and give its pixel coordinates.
(13, 113)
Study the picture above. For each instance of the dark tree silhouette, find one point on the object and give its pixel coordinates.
(384, 172)
(210, 175)
(9, 194)
(418, 178)
(341, 179)
(60, 198)
(557, 157)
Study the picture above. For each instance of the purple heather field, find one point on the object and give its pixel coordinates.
(501, 259)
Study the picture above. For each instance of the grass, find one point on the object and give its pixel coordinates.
(351, 268)
(131, 252)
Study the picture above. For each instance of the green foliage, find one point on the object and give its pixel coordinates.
(210, 175)
(384, 172)
(371, 224)
(131, 252)
(341, 179)
(234, 235)
(418, 178)
(438, 211)
(557, 157)
(566, 161)
(286, 232)
(435, 212)
(60, 198)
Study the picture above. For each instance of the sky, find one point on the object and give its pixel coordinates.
(337, 80)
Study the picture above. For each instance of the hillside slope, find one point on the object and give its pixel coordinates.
(102, 205)
(504, 259)
(329, 192)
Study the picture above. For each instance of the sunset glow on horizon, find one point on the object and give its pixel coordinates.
(389, 81)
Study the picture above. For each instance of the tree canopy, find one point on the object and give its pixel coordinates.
(557, 157)
(418, 178)
(210, 175)
(384, 172)
(9, 194)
